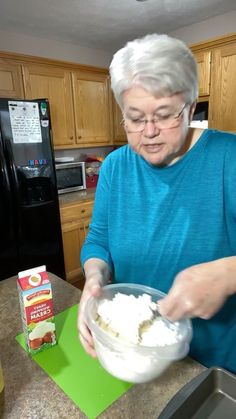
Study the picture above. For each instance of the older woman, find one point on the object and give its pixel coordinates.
(165, 207)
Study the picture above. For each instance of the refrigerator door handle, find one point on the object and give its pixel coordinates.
(6, 193)
(12, 165)
(14, 178)
(4, 173)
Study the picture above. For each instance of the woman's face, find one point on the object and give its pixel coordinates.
(156, 145)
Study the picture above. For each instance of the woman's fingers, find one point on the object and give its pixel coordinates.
(91, 289)
(85, 336)
(86, 339)
(97, 273)
(87, 346)
(198, 291)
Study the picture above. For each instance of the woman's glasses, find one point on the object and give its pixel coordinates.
(133, 125)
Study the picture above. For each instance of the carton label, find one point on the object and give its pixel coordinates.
(36, 303)
(39, 311)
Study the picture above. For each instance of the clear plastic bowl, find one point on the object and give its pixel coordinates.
(128, 361)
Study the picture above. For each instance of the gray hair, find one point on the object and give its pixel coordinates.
(159, 63)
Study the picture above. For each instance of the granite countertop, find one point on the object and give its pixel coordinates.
(74, 197)
(30, 393)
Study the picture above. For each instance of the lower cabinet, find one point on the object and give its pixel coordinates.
(75, 219)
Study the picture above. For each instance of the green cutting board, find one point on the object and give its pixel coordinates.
(81, 377)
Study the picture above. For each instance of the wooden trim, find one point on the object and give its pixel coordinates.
(203, 98)
(214, 42)
(22, 59)
(84, 145)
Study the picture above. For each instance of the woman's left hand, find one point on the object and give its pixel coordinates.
(201, 290)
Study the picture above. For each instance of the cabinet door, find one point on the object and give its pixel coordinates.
(73, 235)
(119, 135)
(54, 84)
(203, 59)
(222, 107)
(11, 83)
(75, 219)
(91, 101)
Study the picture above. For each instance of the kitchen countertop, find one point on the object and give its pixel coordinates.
(30, 393)
(76, 197)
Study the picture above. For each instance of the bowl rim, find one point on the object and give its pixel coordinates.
(186, 339)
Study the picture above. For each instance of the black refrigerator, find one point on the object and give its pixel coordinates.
(30, 228)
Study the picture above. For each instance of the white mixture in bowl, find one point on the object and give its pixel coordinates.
(123, 315)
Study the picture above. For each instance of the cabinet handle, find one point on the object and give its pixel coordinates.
(83, 210)
(71, 137)
(79, 137)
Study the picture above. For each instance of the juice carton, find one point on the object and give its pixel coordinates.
(35, 294)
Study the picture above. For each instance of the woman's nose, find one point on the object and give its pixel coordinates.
(150, 129)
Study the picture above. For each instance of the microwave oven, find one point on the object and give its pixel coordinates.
(71, 177)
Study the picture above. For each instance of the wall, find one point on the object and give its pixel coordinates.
(207, 29)
(16, 42)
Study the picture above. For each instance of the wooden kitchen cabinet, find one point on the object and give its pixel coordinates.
(91, 104)
(75, 219)
(119, 134)
(222, 99)
(11, 83)
(54, 84)
(218, 81)
(203, 59)
(79, 104)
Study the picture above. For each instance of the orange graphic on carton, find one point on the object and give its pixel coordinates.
(36, 304)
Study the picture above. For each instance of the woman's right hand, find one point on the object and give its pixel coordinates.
(96, 273)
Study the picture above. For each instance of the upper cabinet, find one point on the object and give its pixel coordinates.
(222, 100)
(119, 135)
(203, 59)
(54, 84)
(92, 108)
(217, 64)
(79, 104)
(11, 84)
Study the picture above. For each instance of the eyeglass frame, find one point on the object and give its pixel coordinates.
(122, 122)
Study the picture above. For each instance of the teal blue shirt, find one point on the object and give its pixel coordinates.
(149, 223)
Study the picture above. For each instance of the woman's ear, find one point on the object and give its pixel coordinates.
(191, 111)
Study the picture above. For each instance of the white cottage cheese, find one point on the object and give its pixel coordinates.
(123, 315)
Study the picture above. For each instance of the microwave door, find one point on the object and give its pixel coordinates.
(70, 177)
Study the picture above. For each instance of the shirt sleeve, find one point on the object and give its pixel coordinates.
(96, 244)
